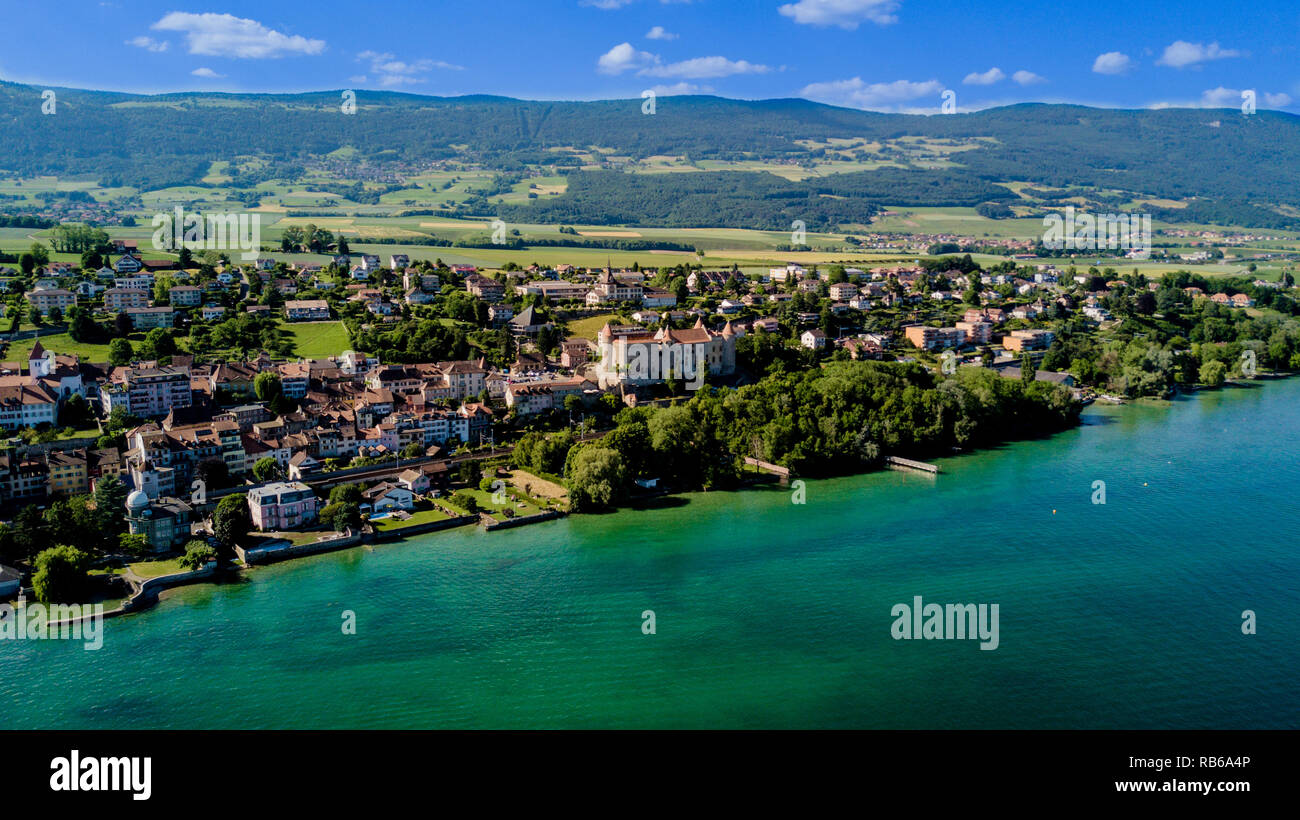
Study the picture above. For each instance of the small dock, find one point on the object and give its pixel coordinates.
(909, 464)
(783, 473)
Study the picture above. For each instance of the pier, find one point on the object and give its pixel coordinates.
(782, 472)
(907, 463)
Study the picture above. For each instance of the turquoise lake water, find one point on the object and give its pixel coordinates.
(770, 613)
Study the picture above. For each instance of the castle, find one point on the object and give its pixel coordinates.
(642, 358)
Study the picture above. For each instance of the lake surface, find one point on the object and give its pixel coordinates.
(768, 613)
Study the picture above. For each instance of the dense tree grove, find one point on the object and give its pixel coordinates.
(1168, 337)
(841, 418)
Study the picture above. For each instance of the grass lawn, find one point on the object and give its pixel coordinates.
(59, 343)
(294, 537)
(588, 328)
(486, 505)
(154, 569)
(417, 517)
(318, 340)
(81, 432)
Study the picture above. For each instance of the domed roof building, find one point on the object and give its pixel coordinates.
(164, 523)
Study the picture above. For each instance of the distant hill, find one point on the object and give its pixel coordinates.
(1226, 166)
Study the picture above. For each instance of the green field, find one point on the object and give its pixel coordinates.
(318, 340)
(588, 328)
(62, 343)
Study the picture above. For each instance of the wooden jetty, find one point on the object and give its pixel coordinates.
(907, 463)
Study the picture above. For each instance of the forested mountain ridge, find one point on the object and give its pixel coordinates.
(1244, 164)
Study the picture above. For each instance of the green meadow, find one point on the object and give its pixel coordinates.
(318, 340)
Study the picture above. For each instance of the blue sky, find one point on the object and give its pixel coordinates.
(888, 55)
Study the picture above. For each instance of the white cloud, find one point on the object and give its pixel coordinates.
(658, 33)
(1112, 62)
(148, 43)
(390, 71)
(623, 57)
(1181, 54)
(705, 67)
(207, 74)
(855, 93)
(224, 35)
(1231, 98)
(993, 75)
(1023, 77)
(1225, 98)
(847, 14)
(680, 88)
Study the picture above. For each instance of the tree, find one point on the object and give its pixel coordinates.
(345, 493)
(341, 516)
(124, 324)
(632, 442)
(598, 478)
(75, 412)
(83, 328)
(1213, 373)
(197, 554)
(62, 575)
(231, 520)
(465, 501)
(132, 543)
(413, 450)
(270, 389)
(1027, 371)
(160, 342)
(120, 352)
(266, 469)
(30, 531)
(110, 503)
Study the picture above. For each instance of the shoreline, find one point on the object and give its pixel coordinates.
(148, 595)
